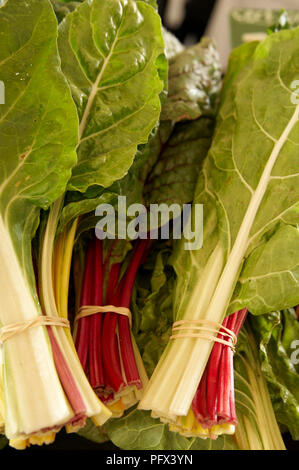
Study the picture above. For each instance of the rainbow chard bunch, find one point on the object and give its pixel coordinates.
(249, 188)
(107, 104)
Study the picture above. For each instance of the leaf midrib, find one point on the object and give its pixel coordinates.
(94, 88)
(241, 243)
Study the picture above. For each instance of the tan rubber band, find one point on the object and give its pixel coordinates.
(194, 325)
(87, 310)
(9, 331)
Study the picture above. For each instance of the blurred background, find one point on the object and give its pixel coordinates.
(228, 22)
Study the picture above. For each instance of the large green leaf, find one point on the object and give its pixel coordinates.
(277, 334)
(138, 431)
(160, 165)
(38, 122)
(112, 56)
(249, 184)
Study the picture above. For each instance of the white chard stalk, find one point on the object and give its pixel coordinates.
(93, 406)
(33, 395)
(257, 429)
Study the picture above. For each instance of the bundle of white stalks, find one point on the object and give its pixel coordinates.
(36, 401)
(173, 384)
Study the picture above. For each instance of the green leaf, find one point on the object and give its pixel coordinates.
(112, 56)
(173, 177)
(194, 79)
(38, 122)
(138, 431)
(75, 207)
(153, 3)
(277, 334)
(93, 433)
(270, 277)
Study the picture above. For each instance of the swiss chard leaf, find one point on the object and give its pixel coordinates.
(112, 53)
(166, 161)
(173, 177)
(194, 79)
(159, 165)
(270, 275)
(93, 433)
(249, 183)
(136, 430)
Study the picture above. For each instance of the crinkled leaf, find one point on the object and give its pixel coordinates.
(112, 56)
(194, 78)
(165, 172)
(38, 122)
(138, 431)
(173, 177)
(277, 334)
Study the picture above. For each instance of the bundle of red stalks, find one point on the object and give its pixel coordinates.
(214, 401)
(104, 342)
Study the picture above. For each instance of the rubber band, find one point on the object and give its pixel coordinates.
(217, 330)
(87, 310)
(9, 331)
